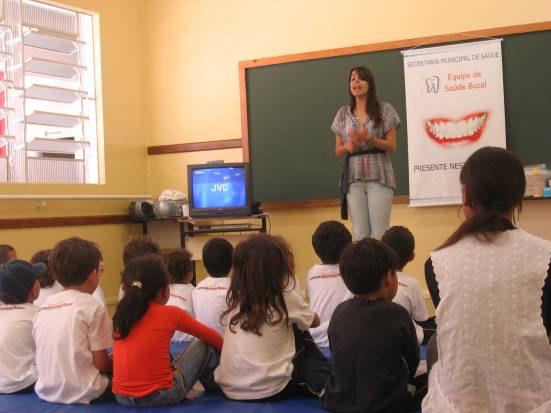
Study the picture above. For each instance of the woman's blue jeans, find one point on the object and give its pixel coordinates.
(369, 205)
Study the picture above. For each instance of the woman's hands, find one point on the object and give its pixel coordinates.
(360, 136)
(342, 148)
(350, 146)
(355, 141)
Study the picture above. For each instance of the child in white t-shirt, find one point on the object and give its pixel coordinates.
(48, 284)
(19, 287)
(180, 268)
(98, 294)
(209, 297)
(72, 330)
(325, 287)
(410, 294)
(267, 352)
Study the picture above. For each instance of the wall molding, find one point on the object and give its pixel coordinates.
(319, 203)
(397, 44)
(194, 147)
(48, 222)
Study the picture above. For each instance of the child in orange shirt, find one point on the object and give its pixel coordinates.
(143, 326)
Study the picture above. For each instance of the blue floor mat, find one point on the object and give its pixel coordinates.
(207, 403)
(423, 352)
(204, 403)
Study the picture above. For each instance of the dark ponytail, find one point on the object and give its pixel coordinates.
(143, 278)
(493, 183)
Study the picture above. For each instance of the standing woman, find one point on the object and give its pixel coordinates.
(491, 284)
(366, 132)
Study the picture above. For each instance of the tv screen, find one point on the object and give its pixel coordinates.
(219, 190)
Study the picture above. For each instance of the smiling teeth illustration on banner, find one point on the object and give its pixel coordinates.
(455, 105)
(448, 132)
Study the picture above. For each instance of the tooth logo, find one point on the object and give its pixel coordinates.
(433, 84)
(465, 130)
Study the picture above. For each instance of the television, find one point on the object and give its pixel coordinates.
(219, 190)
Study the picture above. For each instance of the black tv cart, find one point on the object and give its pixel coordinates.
(212, 225)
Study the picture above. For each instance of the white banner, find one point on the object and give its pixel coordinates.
(455, 105)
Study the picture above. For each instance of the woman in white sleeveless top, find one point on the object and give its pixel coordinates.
(493, 348)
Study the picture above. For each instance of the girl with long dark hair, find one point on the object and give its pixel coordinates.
(142, 326)
(365, 134)
(267, 352)
(486, 282)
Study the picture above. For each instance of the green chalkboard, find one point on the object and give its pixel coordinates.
(291, 106)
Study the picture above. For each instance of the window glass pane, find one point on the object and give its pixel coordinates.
(48, 107)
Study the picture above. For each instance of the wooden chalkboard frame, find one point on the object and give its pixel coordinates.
(345, 51)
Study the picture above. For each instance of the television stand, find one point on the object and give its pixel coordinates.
(194, 226)
(192, 233)
(190, 227)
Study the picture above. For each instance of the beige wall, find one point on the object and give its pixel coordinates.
(192, 88)
(121, 31)
(169, 72)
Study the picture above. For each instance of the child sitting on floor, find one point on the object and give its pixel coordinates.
(209, 298)
(138, 247)
(48, 283)
(143, 324)
(50, 286)
(73, 331)
(373, 343)
(264, 357)
(409, 295)
(19, 287)
(180, 270)
(325, 287)
(7, 253)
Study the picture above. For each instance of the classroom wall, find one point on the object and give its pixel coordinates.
(121, 32)
(169, 73)
(209, 38)
(192, 91)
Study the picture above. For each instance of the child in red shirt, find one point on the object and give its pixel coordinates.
(143, 325)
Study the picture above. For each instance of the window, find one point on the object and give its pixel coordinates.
(48, 95)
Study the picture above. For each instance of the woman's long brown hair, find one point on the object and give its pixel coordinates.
(494, 183)
(373, 107)
(262, 270)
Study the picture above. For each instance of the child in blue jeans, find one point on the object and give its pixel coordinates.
(143, 325)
